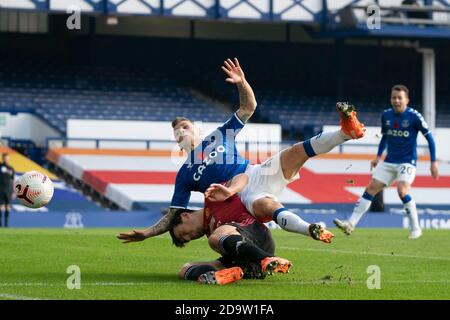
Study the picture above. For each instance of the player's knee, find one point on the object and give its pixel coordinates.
(213, 242)
(373, 188)
(183, 270)
(402, 191)
(264, 208)
(298, 150)
(292, 159)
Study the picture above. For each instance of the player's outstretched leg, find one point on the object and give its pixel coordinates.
(351, 128)
(291, 222)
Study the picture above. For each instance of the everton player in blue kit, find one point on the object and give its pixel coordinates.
(399, 127)
(210, 160)
(215, 159)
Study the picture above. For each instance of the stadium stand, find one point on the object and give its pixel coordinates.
(307, 115)
(127, 94)
(98, 93)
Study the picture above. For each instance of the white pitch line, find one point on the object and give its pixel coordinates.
(344, 281)
(40, 284)
(368, 253)
(16, 297)
(290, 282)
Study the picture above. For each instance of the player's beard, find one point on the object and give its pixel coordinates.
(186, 144)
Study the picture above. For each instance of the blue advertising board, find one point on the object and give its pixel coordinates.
(434, 217)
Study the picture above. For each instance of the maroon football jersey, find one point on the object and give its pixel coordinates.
(231, 210)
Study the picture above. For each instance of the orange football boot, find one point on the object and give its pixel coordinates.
(221, 277)
(349, 122)
(275, 264)
(320, 233)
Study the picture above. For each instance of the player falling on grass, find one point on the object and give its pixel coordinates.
(245, 244)
(216, 159)
(399, 126)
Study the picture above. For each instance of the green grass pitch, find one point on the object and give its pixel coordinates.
(33, 264)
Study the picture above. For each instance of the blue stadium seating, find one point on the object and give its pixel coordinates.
(306, 115)
(100, 93)
(57, 94)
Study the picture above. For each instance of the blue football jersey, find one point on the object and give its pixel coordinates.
(400, 131)
(215, 160)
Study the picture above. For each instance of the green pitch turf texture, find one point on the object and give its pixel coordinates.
(33, 264)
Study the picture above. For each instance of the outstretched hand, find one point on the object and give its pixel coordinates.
(233, 71)
(132, 236)
(217, 193)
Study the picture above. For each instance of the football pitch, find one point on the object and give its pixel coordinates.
(34, 263)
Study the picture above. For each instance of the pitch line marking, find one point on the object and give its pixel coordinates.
(366, 253)
(40, 284)
(315, 282)
(106, 284)
(16, 297)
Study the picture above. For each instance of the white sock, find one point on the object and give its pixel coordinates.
(326, 141)
(291, 222)
(411, 211)
(361, 207)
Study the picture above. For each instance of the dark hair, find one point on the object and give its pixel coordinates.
(177, 120)
(401, 87)
(174, 221)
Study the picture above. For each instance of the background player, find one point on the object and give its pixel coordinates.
(399, 127)
(232, 232)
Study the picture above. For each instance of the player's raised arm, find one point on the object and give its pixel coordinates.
(247, 100)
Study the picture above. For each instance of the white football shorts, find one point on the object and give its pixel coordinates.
(390, 172)
(265, 180)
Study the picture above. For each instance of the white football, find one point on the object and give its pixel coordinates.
(34, 189)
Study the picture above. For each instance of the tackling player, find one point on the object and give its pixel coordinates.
(245, 244)
(399, 126)
(234, 233)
